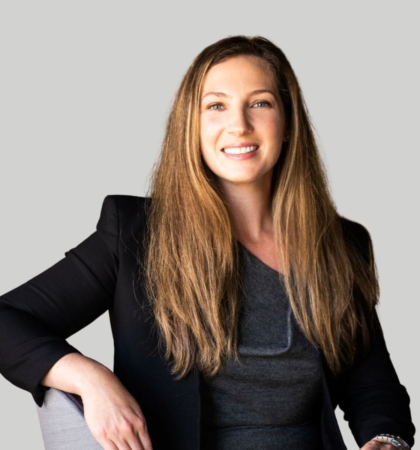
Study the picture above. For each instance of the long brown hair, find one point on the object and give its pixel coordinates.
(191, 266)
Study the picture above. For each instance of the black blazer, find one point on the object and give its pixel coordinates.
(100, 274)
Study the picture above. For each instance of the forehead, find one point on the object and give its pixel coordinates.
(240, 73)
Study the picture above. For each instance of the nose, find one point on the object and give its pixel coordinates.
(239, 123)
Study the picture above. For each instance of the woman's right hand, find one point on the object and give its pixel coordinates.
(111, 413)
(114, 417)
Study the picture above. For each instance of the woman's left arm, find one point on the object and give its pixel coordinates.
(373, 399)
(370, 394)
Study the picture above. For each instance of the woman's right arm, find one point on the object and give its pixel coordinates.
(111, 413)
(37, 317)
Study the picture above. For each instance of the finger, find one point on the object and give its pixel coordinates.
(130, 444)
(128, 441)
(145, 440)
(141, 434)
(140, 441)
(108, 445)
(133, 436)
(134, 444)
(122, 445)
(104, 441)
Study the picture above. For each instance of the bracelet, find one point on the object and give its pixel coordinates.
(396, 441)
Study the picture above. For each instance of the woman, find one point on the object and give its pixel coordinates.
(242, 306)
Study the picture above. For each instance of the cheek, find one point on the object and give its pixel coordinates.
(209, 157)
(274, 130)
(207, 141)
(210, 129)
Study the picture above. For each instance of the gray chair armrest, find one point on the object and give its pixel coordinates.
(62, 423)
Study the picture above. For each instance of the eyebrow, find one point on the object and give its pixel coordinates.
(222, 94)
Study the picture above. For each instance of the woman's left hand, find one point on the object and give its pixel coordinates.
(375, 445)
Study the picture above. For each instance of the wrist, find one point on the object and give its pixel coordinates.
(93, 375)
(75, 373)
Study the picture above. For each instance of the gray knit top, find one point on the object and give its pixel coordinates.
(271, 399)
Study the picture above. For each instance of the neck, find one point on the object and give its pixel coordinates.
(249, 206)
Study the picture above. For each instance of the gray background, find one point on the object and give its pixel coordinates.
(85, 89)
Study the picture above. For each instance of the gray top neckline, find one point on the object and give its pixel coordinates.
(259, 261)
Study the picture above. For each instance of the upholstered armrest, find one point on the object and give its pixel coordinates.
(62, 423)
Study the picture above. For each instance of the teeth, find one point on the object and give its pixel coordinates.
(240, 150)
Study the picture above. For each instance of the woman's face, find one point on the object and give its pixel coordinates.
(242, 123)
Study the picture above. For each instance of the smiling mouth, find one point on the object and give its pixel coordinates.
(240, 150)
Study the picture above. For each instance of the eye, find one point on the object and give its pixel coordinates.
(262, 104)
(216, 107)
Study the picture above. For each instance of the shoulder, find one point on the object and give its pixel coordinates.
(127, 205)
(125, 208)
(354, 230)
(357, 237)
(122, 219)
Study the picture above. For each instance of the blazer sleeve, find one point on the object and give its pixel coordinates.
(373, 399)
(370, 394)
(38, 316)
